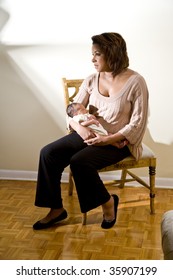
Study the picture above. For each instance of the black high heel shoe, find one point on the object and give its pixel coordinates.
(39, 225)
(106, 224)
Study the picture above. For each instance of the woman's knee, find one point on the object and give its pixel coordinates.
(77, 162)
(46, 151)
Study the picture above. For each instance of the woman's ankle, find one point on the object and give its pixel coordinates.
(53, 213)
(108, 209)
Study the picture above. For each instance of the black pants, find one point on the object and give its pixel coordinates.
(84, 162)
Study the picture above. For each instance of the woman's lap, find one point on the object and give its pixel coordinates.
(84, 162)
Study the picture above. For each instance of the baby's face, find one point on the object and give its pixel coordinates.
(80, 109)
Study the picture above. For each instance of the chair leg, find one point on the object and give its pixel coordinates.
(123, 178)
(152, 173)
(84, 219)
(71, 184)
(70, 192)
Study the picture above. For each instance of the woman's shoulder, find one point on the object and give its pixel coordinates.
(90, 81)
(137, 79)
(138, 82)
(137, 76)
(91, 78)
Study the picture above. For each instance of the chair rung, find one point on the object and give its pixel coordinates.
(119, 181)
(139, 180)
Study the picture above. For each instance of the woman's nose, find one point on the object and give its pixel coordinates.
(93, 59)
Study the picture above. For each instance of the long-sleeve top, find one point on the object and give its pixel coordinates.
(126, 112)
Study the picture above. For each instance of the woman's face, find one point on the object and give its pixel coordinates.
(98, 59)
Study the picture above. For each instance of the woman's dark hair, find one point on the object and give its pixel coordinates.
(114, 48)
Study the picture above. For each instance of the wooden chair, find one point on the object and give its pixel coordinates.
(148, 158)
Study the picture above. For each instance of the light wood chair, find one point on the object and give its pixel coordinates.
(148, 159)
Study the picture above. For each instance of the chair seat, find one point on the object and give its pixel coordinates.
(147, 159)
(146, 153)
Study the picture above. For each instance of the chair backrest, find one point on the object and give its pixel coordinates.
(71, 88)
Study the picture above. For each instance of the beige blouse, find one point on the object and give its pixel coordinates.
(127, 112)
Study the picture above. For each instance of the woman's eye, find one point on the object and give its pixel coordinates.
(97, 55)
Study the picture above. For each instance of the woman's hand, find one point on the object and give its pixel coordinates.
(121, 144)
(97, 140)
(102, 140)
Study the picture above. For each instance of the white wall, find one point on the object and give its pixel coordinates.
(44, 40)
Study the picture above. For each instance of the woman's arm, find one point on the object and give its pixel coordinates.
(89, 122)
(116, 139)
(84, 132)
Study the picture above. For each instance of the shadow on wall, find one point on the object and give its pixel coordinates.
(164, 154)
(48, 95)
(30, 78)
(25, 124)
(23, 101)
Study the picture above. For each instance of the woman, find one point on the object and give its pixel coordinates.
(118, 97)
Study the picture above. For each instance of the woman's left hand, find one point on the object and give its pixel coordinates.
(102, 140)
(99, 140)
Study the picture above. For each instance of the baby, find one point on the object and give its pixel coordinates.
(80, 114)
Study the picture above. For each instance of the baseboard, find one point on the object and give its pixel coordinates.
(166, 183)
(18, 175)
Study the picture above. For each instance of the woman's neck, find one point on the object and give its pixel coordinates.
(109, 77)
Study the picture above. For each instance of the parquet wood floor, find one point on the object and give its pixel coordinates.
(136, 235)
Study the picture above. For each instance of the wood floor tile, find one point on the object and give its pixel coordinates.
(136, 235)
